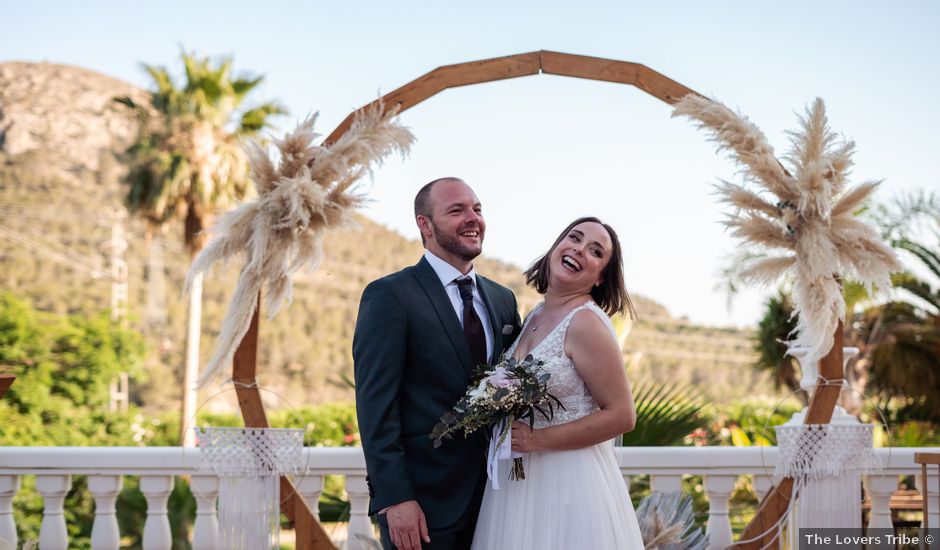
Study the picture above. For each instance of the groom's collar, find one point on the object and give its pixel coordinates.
(446, 272)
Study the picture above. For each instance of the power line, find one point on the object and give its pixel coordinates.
(56, 210)
(42, 240)
(24, 241)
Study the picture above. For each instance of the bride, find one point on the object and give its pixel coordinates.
(573, 495)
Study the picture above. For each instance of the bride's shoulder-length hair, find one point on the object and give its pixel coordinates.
(611, 295)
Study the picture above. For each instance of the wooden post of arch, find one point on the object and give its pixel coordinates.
(6, 380)
(309, 533)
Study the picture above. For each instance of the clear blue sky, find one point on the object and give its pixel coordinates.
(542, 150)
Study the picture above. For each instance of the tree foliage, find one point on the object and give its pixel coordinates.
(773, 330)
(63, 366)
(187, 161)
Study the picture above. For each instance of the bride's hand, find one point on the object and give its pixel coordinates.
(524, 438)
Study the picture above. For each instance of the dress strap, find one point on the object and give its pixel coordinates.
(591, 306)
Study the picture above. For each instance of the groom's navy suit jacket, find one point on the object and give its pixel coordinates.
(412, 364)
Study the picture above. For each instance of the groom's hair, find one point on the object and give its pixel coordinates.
(611, 295)
(423, 199)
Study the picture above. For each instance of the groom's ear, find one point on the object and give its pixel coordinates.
(424, 226)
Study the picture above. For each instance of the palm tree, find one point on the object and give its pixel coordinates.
(187, 164)
(901, 339)
(772, 331)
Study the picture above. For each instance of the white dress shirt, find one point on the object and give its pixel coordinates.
(447, 274)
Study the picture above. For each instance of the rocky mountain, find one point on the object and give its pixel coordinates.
(62, 228)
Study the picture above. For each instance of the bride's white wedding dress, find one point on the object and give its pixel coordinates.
(568, 499)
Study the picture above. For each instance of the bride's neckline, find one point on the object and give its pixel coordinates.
(548, 334)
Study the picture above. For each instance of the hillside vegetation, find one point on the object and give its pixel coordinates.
(61, 145)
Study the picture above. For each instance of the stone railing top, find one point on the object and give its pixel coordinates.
(349, 460)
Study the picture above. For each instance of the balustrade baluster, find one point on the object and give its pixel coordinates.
(880, 488)
(156, 490)
(719, 488)
(206, 530)
(105, 534)
(762, 484)
(53, 488)
(9, 485)
(310, 487)
(359, 523)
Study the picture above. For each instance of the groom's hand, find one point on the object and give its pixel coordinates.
(406, 525)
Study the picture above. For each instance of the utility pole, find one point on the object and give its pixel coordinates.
(118, 272)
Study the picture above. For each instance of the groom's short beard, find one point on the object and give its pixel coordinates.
(452, 244)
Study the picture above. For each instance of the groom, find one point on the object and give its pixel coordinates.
(419, 335)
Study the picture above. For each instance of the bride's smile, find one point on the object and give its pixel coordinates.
(580, 258)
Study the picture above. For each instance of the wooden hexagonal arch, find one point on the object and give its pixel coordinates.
(310, 535)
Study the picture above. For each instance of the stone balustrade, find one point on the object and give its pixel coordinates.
(55, 467)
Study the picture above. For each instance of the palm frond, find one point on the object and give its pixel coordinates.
(257, 119)
(773, 331)
(899, 216)
(930, 258)
(919, 288)
(244, 85)
(666, 413)
(729, 271)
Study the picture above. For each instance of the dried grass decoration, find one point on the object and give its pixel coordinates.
(310, 192)
(812, 215)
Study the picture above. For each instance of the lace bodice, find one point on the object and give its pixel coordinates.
(565, 383)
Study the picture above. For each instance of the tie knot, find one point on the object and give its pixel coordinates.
(465, 286)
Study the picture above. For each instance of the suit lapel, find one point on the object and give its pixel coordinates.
(495, 327)
(431, 284)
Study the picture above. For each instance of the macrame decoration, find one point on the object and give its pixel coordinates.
(826, 462)
(249, 463)
(807, 211)
(309, 192)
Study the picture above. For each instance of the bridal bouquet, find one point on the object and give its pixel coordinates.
(499, 395)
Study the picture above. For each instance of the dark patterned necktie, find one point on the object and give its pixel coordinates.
(472, 325)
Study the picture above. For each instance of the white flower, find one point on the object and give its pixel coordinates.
(478, 392)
